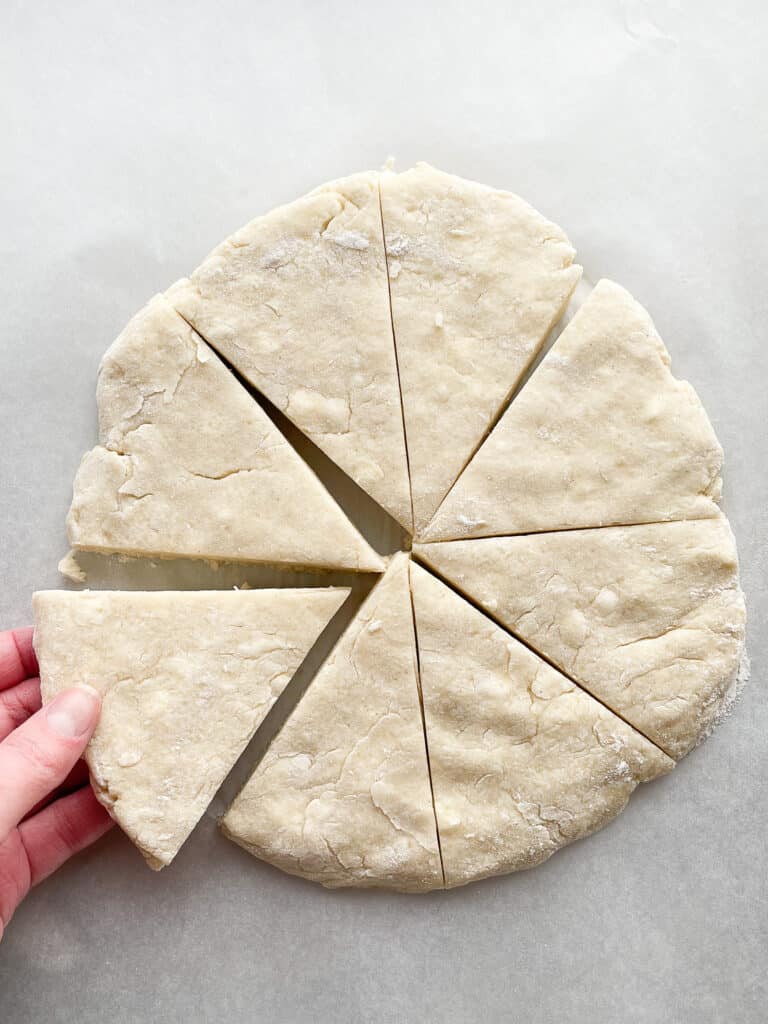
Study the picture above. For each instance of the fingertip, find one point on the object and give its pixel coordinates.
(17, 657)
(95, 817)
(62, 829)
(24, 639)
(17, 704)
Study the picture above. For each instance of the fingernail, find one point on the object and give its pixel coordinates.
(71, 714)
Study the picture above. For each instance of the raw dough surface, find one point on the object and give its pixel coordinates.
(650, 619)
(393, 319)
(186, 678)
(477, 279)
(342, 796)
(602, 434)
(70, 568)
(297, 300)
(523, 762)
(190, 465)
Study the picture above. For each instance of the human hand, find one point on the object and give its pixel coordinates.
(47, 810)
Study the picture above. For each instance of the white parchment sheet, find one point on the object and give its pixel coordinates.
(137, 135)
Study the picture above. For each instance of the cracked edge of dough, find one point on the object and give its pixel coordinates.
(70, 568)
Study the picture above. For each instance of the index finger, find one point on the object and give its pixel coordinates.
(39, 755)
(17, 657)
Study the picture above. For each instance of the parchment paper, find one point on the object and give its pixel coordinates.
(135, 137)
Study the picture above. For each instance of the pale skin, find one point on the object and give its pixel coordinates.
(47, 809)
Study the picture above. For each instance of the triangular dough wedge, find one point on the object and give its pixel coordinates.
(297, 300)
(190, 465)
(186, 679)
(342, 796)
(523, 762)
(602, 434)
(650, 619)
(477, 280)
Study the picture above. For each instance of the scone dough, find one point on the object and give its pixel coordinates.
(189, 464)
(650, 619)
(581, 624)
(477, 279)
(186, 678)
(602, 434)
(523, 762)
(297, 300)
(342, 796)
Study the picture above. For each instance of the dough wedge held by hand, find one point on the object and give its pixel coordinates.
(477, 279)
(650, 619)
(297, 300)
(189, 465)
(602, 434)
(523, 762)
(342, 796)
(186, 679)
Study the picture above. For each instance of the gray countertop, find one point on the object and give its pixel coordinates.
(135, 137)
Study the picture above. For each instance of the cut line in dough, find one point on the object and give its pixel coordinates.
(649, 619)
(189, 465)
(297, 301)
(523, 761)
(342, 796)
(185, 678)
(477, 279)
(602, 434)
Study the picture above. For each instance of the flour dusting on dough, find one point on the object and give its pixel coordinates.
(732, 695)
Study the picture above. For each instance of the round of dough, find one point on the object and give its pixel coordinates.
(569, 622)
